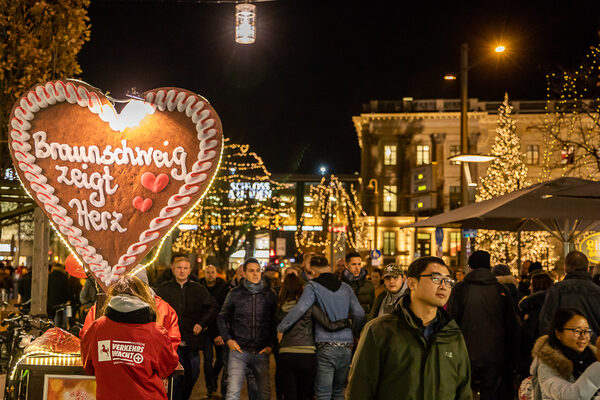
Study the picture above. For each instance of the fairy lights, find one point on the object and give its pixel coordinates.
(506, 173)
(331, 207)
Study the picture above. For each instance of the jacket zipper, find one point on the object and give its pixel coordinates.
(254, 321)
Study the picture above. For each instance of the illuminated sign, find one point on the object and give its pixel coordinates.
(590, 246)
(421, 188)
(260, 191)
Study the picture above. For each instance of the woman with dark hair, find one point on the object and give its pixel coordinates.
(296, 360)
(126, 349)
(565, 365)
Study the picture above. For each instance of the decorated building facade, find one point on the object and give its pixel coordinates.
(406, 146)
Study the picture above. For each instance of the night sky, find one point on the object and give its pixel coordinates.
(292, 94)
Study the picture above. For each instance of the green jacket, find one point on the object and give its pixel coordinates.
(394, 361)
(362, 287)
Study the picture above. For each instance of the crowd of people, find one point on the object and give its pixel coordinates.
(340, 331)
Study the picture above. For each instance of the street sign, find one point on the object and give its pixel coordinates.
(590, 246)
(469, 233)
(280, 247)
(375, 254)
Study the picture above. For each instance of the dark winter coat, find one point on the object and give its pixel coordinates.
(302, 332)
(249, 318)
(374, 313)
(362, 287)
(575, 291)
(511, 284)
(394, 361)
(193, 305)
(485, 312)
(219, 293)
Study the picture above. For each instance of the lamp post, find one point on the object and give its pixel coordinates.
(373, 186)
(464, 134)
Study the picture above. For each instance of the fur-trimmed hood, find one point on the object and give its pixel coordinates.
(554, 358)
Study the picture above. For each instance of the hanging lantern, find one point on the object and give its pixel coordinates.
(245, 23)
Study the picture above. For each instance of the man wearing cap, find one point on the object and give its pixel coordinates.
(485, 312)
(395, 286)
(417, 351)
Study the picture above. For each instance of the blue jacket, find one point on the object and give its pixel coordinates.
(338, 301)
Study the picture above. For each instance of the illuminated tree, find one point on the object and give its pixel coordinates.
(39, 41)
(572, 124)
(242, 199)
(505, 174)
(332, 207)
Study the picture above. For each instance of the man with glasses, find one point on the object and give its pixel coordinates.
(394, 287)
(485, 312)
(417, 351)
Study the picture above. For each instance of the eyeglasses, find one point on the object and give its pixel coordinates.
(438, 279)
(579, 332)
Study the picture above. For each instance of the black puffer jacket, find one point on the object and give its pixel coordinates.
(575, 291)
(249, 318)
(485, 312)
(529, 310)
(302, 333)
(362, 287)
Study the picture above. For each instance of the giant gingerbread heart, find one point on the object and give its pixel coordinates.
(83, 163)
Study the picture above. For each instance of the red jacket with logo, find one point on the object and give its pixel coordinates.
(167, 318)
(129, 360)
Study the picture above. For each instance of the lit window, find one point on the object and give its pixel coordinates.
(454, 243)
(389, 155)
(567, 155)
(390, 198)
(389, 243)
(532, 154)
(423, 155)
(454, 151)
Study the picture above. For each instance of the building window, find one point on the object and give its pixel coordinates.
(423, 155)
(389, 243)
(454, 243)
(390, 198)
(532, 154)
(454, 151)
(454, 198)
(389, 155)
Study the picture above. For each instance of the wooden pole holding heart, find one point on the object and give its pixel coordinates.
(114, 185)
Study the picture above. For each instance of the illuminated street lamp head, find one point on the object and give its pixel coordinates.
(500, 49)
(473, 158)
(449, 77)
(245, 23)
(322, 169)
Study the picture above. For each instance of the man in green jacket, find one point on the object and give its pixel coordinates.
(417, 352)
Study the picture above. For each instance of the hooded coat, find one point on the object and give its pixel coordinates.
(127, 350)
(552, 375)
(362, 287)
(395, 361)
(485, 312)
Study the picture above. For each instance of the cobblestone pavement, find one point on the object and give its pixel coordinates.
(199, 392)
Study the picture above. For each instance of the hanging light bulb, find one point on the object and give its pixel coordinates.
(245, 23)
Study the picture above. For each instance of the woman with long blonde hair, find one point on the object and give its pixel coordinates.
(127, 351)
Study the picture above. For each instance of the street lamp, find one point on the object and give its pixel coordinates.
(464, 129)
(322, 169)
(373, 186)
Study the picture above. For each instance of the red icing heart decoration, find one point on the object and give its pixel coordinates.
(153, 182)
(142, 204)
(82, 162)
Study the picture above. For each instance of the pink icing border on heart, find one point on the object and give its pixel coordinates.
(50, 93)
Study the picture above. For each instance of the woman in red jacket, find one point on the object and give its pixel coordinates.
(127, 351)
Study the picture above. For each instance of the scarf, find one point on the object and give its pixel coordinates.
(389, 302)
(580, 360)
(253, 287)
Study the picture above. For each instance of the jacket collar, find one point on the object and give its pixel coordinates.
(578, 275)
(447, 329)
(348, 277)
(481, 275)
